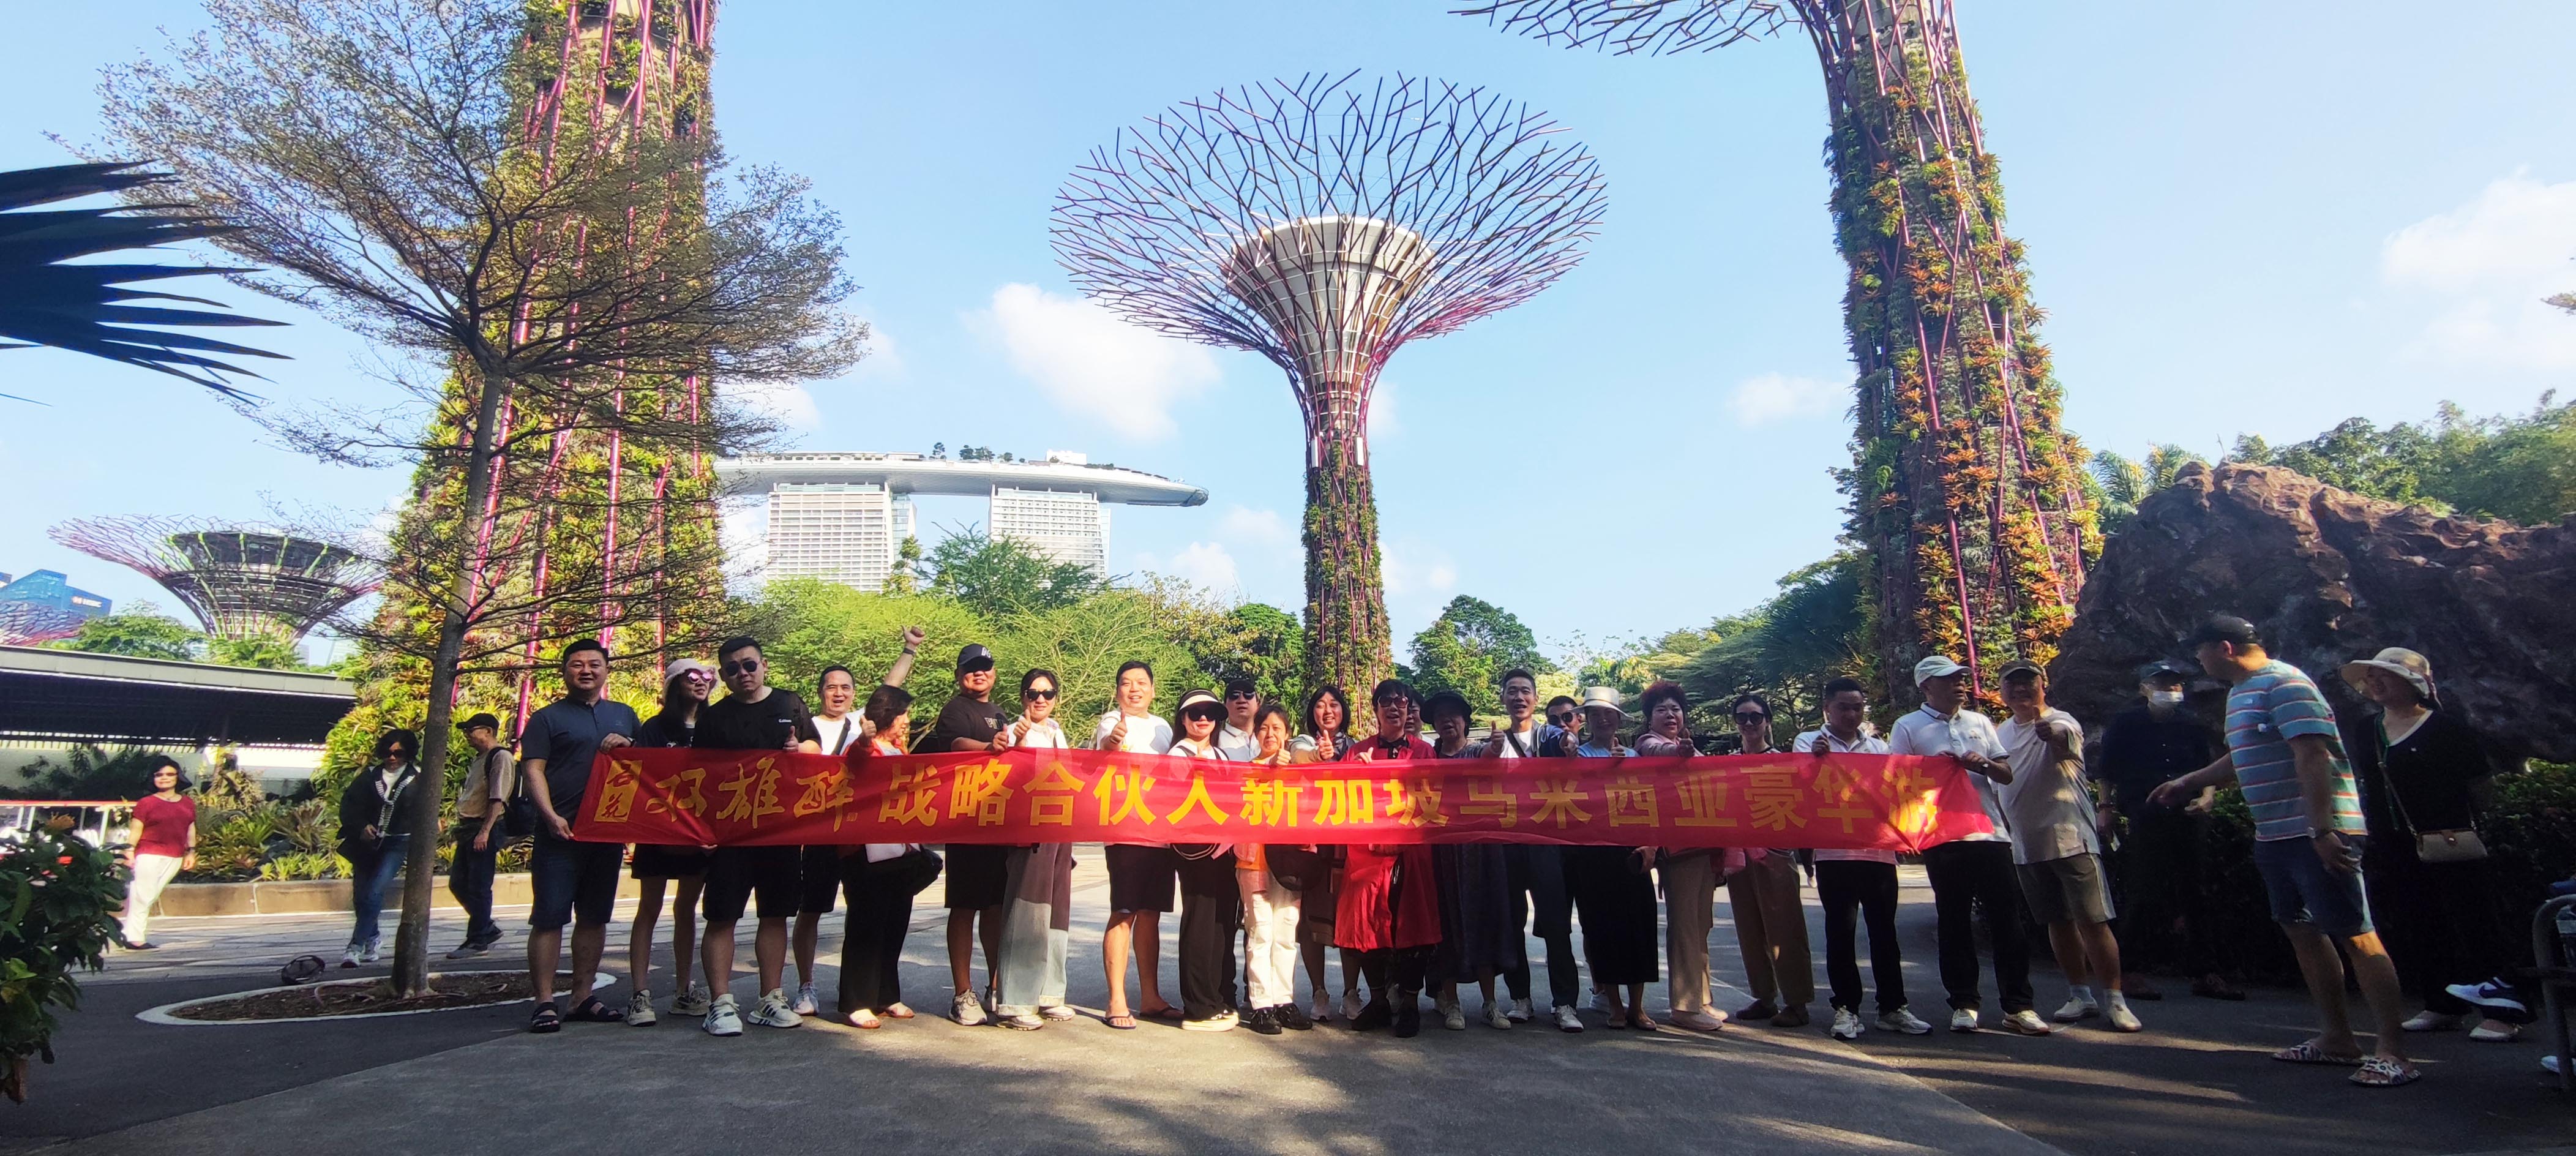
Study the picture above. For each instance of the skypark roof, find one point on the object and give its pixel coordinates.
(922, 474)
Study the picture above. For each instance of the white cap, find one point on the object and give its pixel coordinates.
(1937, 666)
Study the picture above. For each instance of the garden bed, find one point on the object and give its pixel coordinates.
(351, 998)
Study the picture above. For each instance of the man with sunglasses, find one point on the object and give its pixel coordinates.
(1770, 918)
(1234, 732)
(978, 873)
(755, 716)
(1537, 873)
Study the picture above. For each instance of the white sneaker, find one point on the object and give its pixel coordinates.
(1521, 1011)
(1350, 1005)
(1567, 1020)
(374, 952)
(1323, 1013)
(807, 1003)
(693, 1002)
(2495, 1032)
(1453, 1016)
(2431, 1021)
(2121, 1018)
(2076, 1008)
(639, 1009)
(1964, 1020)
(992, 1001)
(1601, 1002)
(2549, 1064)
(722, 1018)
(773, 1011)
(1847, 1025)
(349, 958)
(1496, 1018)
(967, 1009)
(1903, 1020)
(2028, 1023)
(1056, 1012)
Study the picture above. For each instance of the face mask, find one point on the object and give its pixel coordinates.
(2165, 697)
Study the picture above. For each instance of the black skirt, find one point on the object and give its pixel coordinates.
(979, 875)
(1479, 939)
(1141, 878)
(1616, 903)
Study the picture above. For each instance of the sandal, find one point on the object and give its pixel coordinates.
(2308, 1052)
(863, 1018)
(1122, 1021)
(2382, 1072)
(899, 1012)
(1165, 1012)
(594, 1011)
(1641, 1022)
(545, 1020)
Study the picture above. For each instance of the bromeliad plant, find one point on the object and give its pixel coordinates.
(59, 893)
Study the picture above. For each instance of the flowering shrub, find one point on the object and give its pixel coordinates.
(56, 896)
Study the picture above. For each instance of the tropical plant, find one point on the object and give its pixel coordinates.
(995, 577)
(304, 865)
(1467, 649)
(138, 631)
(232, 844)
(1814, 629)
(2521, 468)
(56, 896)
(89, 771)
(46, 300)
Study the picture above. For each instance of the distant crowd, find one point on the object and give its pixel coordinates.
(2339, 863)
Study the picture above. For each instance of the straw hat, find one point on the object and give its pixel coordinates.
(1603, 698)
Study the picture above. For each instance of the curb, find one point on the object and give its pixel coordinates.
(164, 1014)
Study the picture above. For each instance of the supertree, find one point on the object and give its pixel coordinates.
(27, 624)
(1964, 490)
(1323, 223)
(241, 582)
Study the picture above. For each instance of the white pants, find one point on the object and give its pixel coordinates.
(151, 874)
(1270, 938)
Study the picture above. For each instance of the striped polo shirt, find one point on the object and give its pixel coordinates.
(2264, 713)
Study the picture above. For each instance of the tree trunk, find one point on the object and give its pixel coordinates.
(411, 940)
(1345, 604)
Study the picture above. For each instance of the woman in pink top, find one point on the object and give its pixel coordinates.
(163, 836)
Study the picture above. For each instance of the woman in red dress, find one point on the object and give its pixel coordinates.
(1389, 908)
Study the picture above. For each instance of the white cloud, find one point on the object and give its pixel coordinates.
(788, 403)
(1090, 362)
(1411, 569)
(2480, 271)
(742, 527)
(1257, 527)
(1778, 397)
(1383, 421)
(885, 356)
(1206, 565)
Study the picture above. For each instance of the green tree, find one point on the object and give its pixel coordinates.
(139, 631)
(2518, 468)
(1259, 642)
(1468, 648)
(1813, 630)
(806, 624)
(996, 577)
(263, 651)
(2118, 483)
(905, 576)
(1085, 642)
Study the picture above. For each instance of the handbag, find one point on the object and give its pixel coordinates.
(1295, 868)
(519, 815)
(2454, 845)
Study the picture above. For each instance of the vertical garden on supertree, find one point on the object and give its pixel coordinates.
(1322, 223)
(1964, 490)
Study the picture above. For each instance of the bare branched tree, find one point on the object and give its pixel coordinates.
(389, 165)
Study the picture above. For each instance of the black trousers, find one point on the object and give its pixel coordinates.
(469, 879)
(1966, 877)
(2440, 923)
(1538, 889)
(1211, 917)
(872, 934)
(1850, 890)
(2162, 916)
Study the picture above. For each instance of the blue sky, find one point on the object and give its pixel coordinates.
(2241, 218)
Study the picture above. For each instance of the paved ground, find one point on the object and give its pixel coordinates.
(410, 1083)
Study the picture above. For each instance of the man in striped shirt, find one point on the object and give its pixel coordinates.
(2283, 749)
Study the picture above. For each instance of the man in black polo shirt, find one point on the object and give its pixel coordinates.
(2159, 861)
(754, 717)
(978, 874)
(573, 882)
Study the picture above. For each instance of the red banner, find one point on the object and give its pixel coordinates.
(687, 796)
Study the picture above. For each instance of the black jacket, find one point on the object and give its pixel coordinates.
(361, 808)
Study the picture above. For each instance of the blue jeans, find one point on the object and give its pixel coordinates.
(369, 877)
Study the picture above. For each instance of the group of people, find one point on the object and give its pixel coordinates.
(1412, 920)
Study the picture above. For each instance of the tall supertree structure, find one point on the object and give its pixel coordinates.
(1965, 491)
(28, 624)
(577, 499)
(1322, 223)
(242, 583)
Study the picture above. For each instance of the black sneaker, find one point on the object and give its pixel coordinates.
(1376, 1015)
(1408, 1016)
(1291, 1018)
(1262, 1021)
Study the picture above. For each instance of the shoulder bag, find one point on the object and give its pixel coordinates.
(2456, 845)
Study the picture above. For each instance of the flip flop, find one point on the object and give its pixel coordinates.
(2381, 1072)
(2308, 1052)
(899, 1012)
(1124, 1023)
(1641, 1022)
(1166, 1012)
(870, 1020)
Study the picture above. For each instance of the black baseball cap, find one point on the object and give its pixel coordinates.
(481, 721)
(2022, 669)
(974, 657)
(2162, 669)
(2226, 628)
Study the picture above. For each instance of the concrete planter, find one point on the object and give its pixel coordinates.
(304, 896)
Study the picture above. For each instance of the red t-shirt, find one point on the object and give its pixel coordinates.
(165, 825)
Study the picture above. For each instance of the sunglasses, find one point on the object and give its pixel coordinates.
(741, 666)
(1244, 697)
(1750, 717)
(1202, 714)
(1563, 719)
(1035, 693)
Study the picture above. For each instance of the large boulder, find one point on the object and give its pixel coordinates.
(2331, 576)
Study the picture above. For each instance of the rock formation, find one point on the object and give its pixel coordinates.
(2330, 576)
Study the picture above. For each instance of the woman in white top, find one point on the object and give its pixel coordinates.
(1858, 885)
(818, 867)
(1211, 908)
(1141, 878)
(881, 881)
(1037, 915)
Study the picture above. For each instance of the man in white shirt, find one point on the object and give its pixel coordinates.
(1540, 900)
(1975, 871)
(2056, 853)
(1234, 735)
(1857, 883)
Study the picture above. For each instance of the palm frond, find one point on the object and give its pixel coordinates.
(82, 308)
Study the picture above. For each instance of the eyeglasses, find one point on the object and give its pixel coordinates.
(1035, 693)
(741, 666)
(1749, 718)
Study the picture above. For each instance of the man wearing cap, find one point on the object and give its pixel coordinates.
(2158, 865)
(480, 803)
(2284, 750)
(1976, 870)
(2056, 851)
(978, 874)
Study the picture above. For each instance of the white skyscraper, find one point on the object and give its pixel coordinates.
(841, 517)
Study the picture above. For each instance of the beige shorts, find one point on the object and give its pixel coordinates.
(2066, 890)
